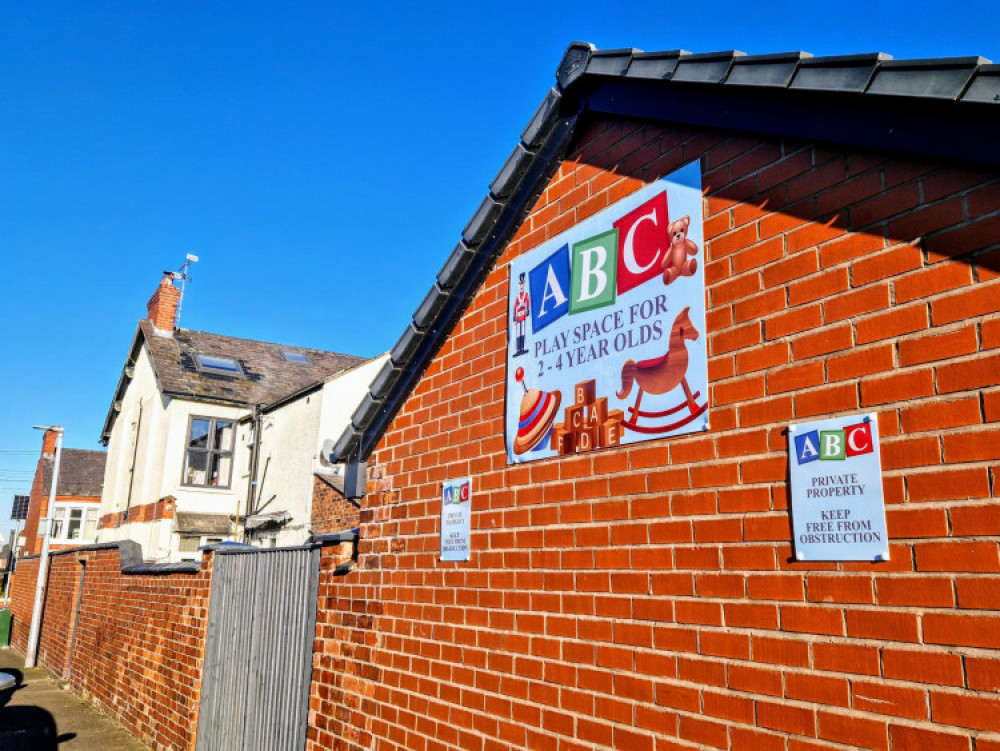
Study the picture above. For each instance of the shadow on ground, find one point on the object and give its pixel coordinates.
(25, 728)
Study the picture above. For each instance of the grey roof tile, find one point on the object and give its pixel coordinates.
(267, 375)
(541, 123)
(765, 70)
(482, 222)
(406, 345)
(365, 411)
(943, 78)
(610, 62)
(383, 381)
(985, 87)
(847, 73)
(511, 173)
(455, 266)
(431, 305)
(81, 472)
(656, 65)
(711, 67)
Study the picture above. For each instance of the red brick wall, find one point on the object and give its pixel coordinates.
(61, 597)
(331, 511)
(22, 600)
(139, 640)
(645, 597)
(343, 668)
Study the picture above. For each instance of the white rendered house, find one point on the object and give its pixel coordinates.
(205, 430)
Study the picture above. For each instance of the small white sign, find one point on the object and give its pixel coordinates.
(838, 511)
(456, 517)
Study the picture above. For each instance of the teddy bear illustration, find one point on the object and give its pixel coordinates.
(675, 261)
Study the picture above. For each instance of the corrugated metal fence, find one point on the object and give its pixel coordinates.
(258, 655)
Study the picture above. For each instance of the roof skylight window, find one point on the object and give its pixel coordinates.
(291, 356)
(218, 364)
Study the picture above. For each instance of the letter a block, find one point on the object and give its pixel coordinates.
(597, 415)
(807, 447)
(549, 289)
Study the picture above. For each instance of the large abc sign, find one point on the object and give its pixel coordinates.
(606, 327)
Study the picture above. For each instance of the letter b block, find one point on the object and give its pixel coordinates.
(585, 392)
(593, 270)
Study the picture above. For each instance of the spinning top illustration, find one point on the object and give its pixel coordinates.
(538, 412)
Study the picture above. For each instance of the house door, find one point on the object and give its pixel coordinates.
(258, 653)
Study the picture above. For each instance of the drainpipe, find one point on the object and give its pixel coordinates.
(254, 464)
(31, 654)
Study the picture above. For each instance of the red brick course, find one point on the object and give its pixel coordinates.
(646, 596)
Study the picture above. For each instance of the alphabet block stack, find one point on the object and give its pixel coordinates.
(588, 423)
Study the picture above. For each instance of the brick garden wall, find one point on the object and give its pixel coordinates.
(645, 597)
(139, 639)
(22, 600)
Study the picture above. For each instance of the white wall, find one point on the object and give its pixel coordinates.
(154, 439)
(292, 436)
(285, 466)
(341, 396)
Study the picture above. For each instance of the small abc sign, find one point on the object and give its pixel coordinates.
(834, 445)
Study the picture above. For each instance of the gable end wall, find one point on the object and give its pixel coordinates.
(645, 597)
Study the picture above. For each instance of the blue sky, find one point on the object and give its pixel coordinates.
(321, 160)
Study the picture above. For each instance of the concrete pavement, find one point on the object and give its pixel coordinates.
(40, 716)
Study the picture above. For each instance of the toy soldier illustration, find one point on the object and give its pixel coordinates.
(522, 304)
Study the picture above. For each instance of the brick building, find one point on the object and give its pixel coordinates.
(77, 502)
(648, 594)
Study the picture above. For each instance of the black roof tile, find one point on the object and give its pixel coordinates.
(765, 70)
(656, 65)
(610, 62)
(845, 73)
(711, 67)
(928, 79)
(985, 87)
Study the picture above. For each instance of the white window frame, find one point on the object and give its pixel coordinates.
(67, 508)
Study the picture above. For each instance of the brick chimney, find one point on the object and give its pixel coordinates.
(162, 306)
(49, 442)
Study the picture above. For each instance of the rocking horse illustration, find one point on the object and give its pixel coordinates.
(661, 375)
